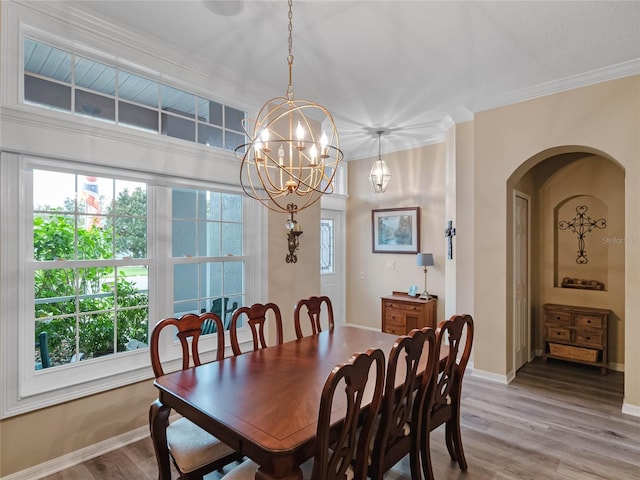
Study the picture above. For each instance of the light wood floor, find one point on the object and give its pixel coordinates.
(555, 421)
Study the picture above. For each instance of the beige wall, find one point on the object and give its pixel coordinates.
(289, 282)
(33, 438)
(418, 179)
(602, 119)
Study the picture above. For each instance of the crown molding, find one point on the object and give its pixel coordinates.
(613, 72)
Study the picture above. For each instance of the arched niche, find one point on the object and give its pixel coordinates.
(580, 247)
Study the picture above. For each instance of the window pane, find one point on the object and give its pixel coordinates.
(233, 277)
(59, 338)
(210, 280)
(177, 127)
(95, 76)
(327, 246)
(215, 206)
(183, 203)
(177, 101)
(54, 191)
(96, 106)
(137, 89)
(231, 208)
(185, 284)
(209, 111)
(209, 239)
(47, 61)
(183, 238)
(96, 333)
(47, 93)
(95, 289)
(133, 285)
(133, 329)
(54, 237)
(209, 136)
(131, 219)
(233, 140)
(137, 117)
(233, 118)
(55, 292)
(231, 239)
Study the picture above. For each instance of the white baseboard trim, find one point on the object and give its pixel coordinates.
(74, 458)
(629, 409)
(618, 367)
(492, 377)
(364, 327)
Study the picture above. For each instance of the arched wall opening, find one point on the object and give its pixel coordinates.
(561, 182)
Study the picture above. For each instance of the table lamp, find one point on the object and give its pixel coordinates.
(425, 260)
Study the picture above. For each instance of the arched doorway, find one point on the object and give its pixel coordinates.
(553, 179)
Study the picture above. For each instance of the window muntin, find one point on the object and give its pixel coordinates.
(96, 304)
(64, 81)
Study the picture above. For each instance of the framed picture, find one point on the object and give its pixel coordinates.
(396, 230)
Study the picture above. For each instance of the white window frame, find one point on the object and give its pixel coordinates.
(26, 388)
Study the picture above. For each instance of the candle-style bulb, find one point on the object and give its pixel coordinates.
(264, 136)
(324, 141)
(313, 155)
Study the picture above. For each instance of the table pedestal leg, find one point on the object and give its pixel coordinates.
(296, 474)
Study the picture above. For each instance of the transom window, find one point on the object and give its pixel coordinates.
(71, 83)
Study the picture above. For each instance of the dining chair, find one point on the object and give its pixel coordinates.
(398, 428)
(443, 399)
(257, 315)
(341, 453)
(194, 451)
(313, 308)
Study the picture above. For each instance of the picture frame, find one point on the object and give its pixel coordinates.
(395, 230)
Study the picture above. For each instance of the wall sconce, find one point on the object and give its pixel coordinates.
(293, 235)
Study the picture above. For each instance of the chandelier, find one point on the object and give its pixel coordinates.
(292, 154)
(380, 174)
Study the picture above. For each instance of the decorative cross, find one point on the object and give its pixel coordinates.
(449, 233)
(582, 224)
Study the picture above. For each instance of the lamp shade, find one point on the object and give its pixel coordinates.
(425, 260)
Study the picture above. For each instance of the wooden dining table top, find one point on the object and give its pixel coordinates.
(265, 403)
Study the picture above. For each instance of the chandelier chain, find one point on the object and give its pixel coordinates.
(290, 57)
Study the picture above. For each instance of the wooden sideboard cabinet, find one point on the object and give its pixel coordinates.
(577, 334)
(402, 313)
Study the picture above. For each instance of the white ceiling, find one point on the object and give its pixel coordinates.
(399, 66)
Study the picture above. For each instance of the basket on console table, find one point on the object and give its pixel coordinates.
(573, 353)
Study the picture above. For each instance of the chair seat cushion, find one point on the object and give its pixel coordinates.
(192, 447)
(245, 471)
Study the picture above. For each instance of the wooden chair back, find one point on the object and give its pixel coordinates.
(336, 452)
(411, 363)
(189, 328)
(313, 307)
(257, 315)
(443, 399)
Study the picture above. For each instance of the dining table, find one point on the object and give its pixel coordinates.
(264, 404)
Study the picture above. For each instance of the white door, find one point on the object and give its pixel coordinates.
(331, 261)
(522, 301)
